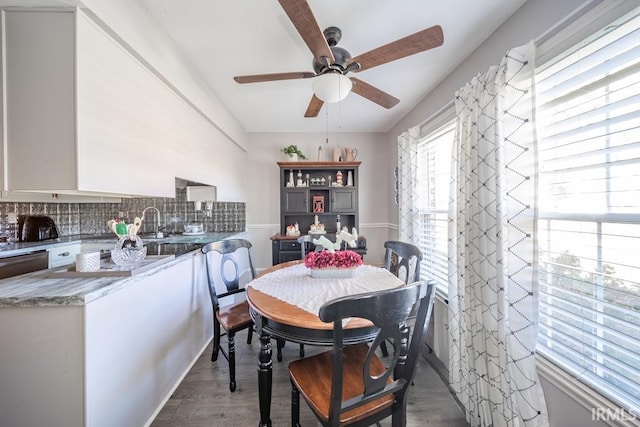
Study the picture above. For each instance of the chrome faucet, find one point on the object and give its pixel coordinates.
(159, 233)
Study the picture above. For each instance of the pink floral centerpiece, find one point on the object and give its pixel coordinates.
(338, 264)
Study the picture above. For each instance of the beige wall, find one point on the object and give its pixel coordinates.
(263, 192)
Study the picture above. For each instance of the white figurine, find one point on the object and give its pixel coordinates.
(351, 239)
(327, 244)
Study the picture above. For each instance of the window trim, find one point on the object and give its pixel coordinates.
(585, 396)
(435, 127)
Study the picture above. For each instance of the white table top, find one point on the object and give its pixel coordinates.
(295, 286)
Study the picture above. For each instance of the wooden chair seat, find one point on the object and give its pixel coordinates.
(313, 377)
(234, 316)
(350, 385)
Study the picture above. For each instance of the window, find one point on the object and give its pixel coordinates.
(589, 221)
(434, 169)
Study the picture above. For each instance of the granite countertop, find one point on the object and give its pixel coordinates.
(19, 248)
(39, 289)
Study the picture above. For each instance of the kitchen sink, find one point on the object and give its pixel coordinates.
(170, 248)
(152, 238)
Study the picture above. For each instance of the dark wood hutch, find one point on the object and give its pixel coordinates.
(310, 190)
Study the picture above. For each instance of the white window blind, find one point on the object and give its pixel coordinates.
(589, 221)
(434, 170)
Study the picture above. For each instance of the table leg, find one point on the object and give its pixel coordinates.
(265, 380)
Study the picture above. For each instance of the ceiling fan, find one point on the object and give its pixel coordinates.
(333, 62)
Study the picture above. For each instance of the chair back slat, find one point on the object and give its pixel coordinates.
(229, 267)
(408, 256)
(388, 310)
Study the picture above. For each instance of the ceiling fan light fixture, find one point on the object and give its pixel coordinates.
(332, 87)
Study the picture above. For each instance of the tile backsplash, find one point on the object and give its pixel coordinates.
(91, 218)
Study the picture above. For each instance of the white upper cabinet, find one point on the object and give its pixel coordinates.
(83, 116)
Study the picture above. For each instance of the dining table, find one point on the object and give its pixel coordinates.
(284, 301)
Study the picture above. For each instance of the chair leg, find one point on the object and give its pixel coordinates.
(232, 361)
(279, 345)
(216, 339)
(429, 349)
(295, 406)
(383, 349)
(249, 335)
(301, 351)
(399, 418)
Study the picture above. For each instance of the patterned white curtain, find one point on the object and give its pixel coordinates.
(492, 248)
(408, 184)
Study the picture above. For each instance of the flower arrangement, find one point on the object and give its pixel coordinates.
(337, 259)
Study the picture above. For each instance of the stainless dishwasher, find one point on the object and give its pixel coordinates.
(25, 263)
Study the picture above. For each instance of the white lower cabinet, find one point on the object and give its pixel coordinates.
(113, 361)
(63, 255)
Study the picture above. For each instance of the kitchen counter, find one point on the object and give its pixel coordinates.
(104, 339)
(37, 289)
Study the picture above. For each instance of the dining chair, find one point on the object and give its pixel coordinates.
(403, 260)
(229, 268)
(350, 385)
(305, 241)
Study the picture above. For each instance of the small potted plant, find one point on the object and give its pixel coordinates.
(293, 153)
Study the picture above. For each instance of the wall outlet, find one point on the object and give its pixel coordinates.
(12, 218)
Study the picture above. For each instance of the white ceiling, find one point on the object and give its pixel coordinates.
(223, 38)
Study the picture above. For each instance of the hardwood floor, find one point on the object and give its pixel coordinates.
(203, 397)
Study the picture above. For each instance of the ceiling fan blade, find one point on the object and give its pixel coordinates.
(258, 78)
(373, 94)
(406, 46)
(314, 107)
(300, 14)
